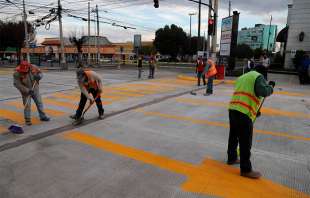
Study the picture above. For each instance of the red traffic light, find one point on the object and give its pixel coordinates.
(211, 22)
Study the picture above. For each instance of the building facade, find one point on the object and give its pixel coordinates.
(298, 31)
(260, 36)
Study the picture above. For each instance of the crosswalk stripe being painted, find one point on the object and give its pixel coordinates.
(76, 98)
(16, 117)
(264, 110)
(220, 124)
(208, 178)
(51, 112)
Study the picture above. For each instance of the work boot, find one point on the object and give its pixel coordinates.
(28, 122)
(45, 119)
(252, 174)
(100, 117)
(237, 161)
(73, 117)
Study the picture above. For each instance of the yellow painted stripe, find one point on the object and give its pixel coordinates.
(288, 93)
(209, 178)
(133, 91)
(59, 103)
(3, 129)
(122, 93)
(19, 105)
(264, 110)
(15, 117)
(75, 97)
(220, 124)
(152, 87)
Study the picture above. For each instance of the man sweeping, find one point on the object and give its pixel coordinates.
(250, 89)
(26, 80)
(210, 72)
(89, 83)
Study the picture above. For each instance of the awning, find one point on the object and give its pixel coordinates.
(282, 36)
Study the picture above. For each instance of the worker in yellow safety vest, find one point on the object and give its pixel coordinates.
(210, 72)
(250, 90)
(89, 83)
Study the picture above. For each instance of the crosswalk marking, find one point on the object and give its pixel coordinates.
(2, 129)
(15, 117)
(52, 112)
(59, 103)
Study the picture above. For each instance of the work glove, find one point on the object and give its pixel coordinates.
(31, 92)
(258, 114)
(272, 83)
(37, 77)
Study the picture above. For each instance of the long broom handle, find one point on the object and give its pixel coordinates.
(29, 97)
(90, 104)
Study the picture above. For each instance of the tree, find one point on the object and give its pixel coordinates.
(78, 43)
(12, 34)
(171, 41)
(243, 51)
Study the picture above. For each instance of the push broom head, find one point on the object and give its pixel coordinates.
(16, 129)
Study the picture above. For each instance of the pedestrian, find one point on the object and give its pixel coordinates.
(251, 64)
(200, 67)
(266, 63)
(210, 72)
(250, 89)
(89, 83)
(26, 80)
(151, 66)
(303, 70)
(140, 62)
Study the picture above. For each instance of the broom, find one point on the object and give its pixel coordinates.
(15, 128)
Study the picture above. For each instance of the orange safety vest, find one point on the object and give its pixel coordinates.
(212, 70)
(91, 83)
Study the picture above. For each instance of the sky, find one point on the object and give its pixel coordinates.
(142, 15)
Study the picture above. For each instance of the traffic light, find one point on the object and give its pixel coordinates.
(156, 3)
(211, 27)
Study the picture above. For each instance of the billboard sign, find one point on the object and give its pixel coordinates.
(137, 40)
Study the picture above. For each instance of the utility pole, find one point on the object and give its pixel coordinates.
(214, 39)
(62, 57)
(98, 53)
(88, 57)
(208, 37)
(269, 33)
(199, 24)
(26, 31)
(229, 8)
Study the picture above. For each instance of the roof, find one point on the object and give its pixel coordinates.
(102, 40)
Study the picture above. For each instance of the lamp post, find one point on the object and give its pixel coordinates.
(190, 29)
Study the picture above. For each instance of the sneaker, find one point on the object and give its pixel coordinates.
(237, 161)
(45, 119)
(28, 123)
(252, 174)
(100, 117)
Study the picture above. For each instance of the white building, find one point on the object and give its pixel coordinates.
(299, 30)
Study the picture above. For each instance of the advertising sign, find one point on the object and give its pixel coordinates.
(137, 40)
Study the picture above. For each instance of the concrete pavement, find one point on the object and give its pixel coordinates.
(171, 144)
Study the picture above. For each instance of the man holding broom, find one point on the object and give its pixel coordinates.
(89, 83)
(26, 80)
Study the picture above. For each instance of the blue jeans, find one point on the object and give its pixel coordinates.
(210, 85)
(38, 101)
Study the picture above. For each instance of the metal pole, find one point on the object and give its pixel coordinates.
(199, 24)
(229, 8)
(62, 57)
(190, 30)
(269, 33)
(98, 53)
(214, 39)
(26, 31)
(208, 37)
(88, 58)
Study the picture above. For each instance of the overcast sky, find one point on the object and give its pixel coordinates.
(143, 16)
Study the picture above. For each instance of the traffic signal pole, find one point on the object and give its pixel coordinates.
(26, 31)
(214, 39)
(199, 24)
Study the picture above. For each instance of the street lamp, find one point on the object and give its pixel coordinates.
(190, 29)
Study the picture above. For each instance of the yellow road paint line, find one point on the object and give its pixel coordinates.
(59, 103)
(209, 178)
(264, 139)
(264, 110)
(19, 105)
(3, 129)
(151, 87)
(133, 91)
(220, 124)
(15, 117)
(288, 93)
(122, 93)
(75, 98)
